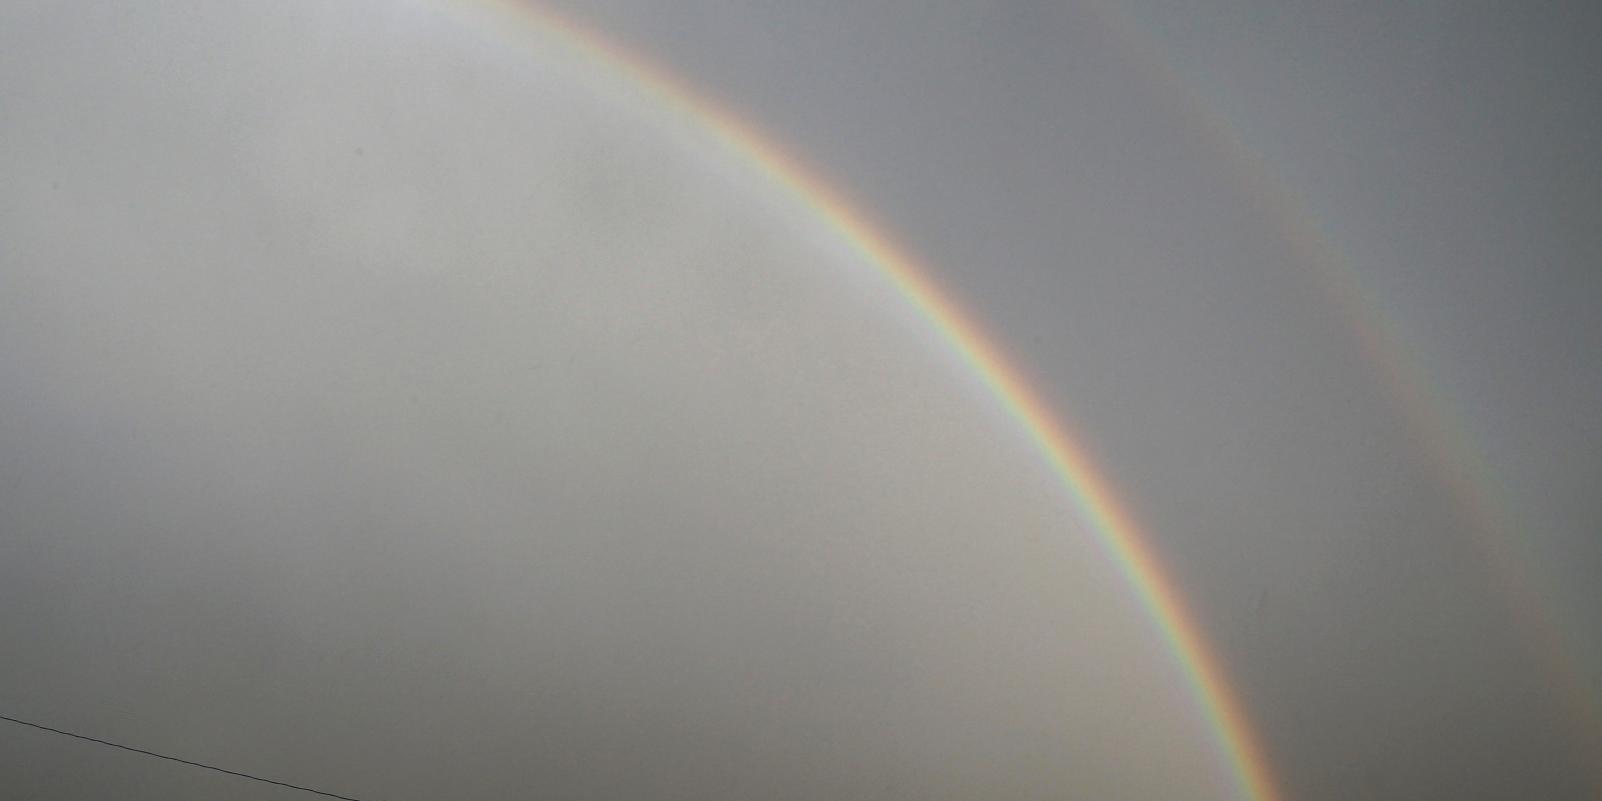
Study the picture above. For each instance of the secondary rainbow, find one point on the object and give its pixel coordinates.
(1443, 436)
(1115, 530)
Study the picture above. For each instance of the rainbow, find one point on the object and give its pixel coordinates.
(1443, 437)
(1115, 529)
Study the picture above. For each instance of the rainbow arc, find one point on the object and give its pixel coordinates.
(1116, 531)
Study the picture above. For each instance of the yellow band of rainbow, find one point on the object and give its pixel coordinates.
(1115, 530)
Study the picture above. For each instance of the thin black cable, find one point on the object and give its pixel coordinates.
(181, 761)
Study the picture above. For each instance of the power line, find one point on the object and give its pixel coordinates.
(263, 780)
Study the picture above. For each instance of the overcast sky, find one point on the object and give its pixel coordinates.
(396, 403)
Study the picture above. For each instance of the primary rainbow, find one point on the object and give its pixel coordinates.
(1115, 530)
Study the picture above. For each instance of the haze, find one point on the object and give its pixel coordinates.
(394, 401)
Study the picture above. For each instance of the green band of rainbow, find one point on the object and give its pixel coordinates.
(1114, 528)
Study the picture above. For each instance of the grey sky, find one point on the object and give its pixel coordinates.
(392, 404)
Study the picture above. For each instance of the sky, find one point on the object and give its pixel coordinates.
(400, 402)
